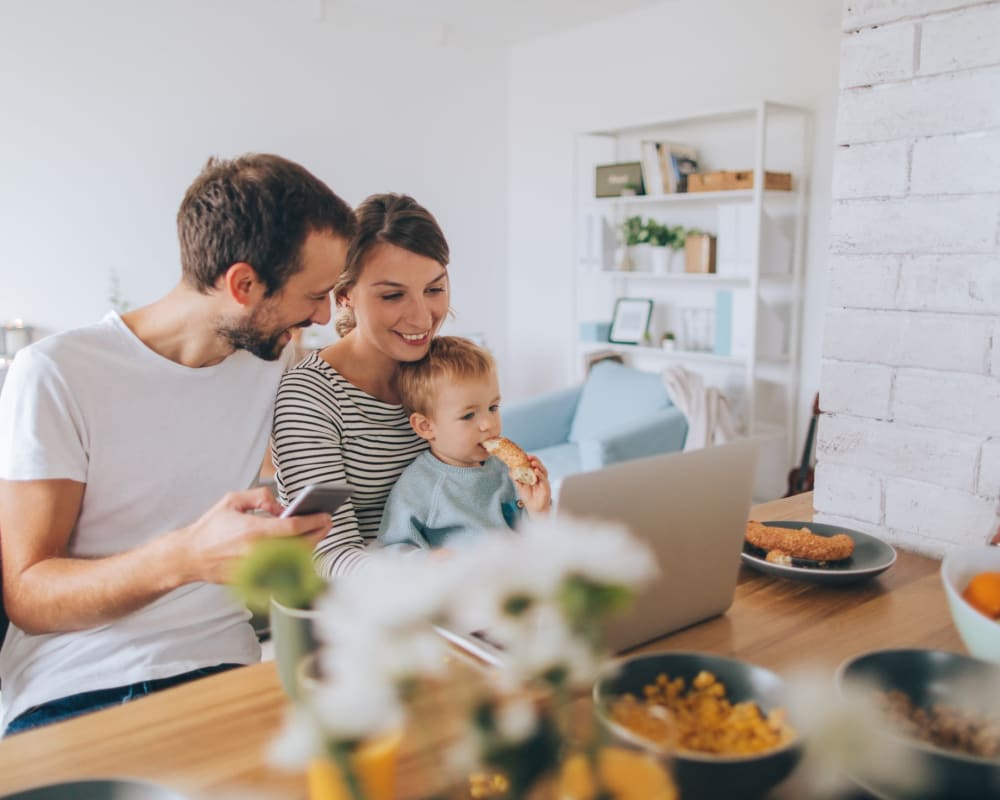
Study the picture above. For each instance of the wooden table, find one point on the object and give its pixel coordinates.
(208, 739)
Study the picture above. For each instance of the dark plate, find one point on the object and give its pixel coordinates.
(871, 556)
(932, 677)
(110, 789)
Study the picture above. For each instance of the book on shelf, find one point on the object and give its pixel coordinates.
(652, 174)
(683, 162)
(666, 166)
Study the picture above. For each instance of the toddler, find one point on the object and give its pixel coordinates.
(455, 488)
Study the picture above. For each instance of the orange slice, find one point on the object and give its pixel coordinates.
(626, 775)
(983, 594)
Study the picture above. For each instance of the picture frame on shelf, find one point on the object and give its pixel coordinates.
(619, 180)
(631, 320)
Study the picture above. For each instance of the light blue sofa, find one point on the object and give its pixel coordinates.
(619, 413)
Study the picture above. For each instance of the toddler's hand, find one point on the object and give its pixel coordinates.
(537, 499)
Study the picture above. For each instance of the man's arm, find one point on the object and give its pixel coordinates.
(47, 591)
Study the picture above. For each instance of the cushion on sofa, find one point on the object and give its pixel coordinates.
(613, 394)
(561, 460)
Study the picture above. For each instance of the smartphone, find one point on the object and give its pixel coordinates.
(317, 497)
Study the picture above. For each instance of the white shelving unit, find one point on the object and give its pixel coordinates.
(767, 137)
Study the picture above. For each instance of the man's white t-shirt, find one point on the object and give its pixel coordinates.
(157, 444)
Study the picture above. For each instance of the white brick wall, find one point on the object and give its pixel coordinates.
(909, 339)
(863, 390)
(866, 13)
(875, 55)
(894, 449)
(916, 224)
(862, 281)
(959, 164)
(989, 470)
(871, 170)
(950, 103)
(961, 41)
(836, 483)
(909, 442)
(968, 284)
(995, 358)
(955, 402)
(937, 513)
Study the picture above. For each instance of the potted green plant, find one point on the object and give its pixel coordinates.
(631, 234)
(666, 241)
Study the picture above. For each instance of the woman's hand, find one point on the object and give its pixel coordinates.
(537, 499)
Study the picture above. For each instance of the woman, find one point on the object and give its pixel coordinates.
(337, 418)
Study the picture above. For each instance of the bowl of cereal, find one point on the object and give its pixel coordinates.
(718, 721)
(943, 710)
(971, 578)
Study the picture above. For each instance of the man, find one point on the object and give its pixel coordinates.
(115, 438)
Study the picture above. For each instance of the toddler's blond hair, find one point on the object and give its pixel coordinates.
(416, 382)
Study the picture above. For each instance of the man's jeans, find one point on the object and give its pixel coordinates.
(77, 704)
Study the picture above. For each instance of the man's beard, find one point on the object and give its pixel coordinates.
(248, 334)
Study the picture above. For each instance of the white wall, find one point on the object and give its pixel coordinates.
(110, 108)
(660, 62)
(910, 448)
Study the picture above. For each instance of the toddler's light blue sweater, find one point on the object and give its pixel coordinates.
(433, 503)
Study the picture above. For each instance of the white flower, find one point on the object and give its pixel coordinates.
(391, 590)
(357, 707)
(462, 755)
(842, 736)
(376, 633)
(516, 719)
(601, 552)
(544, 645)
(534, 566)
(300, 740)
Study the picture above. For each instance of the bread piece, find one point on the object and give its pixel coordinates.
(777, 557)
(514, 457)
(801, 543)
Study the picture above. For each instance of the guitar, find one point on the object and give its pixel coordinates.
(801, 478)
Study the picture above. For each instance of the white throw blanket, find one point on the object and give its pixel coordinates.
(709, 416)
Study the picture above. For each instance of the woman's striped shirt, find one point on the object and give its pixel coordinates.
(327, 430)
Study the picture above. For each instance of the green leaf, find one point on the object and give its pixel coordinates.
(281, 568)
(525, 762)
(585, 602)
(517, 604)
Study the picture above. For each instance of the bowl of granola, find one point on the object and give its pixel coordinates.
(943, 709)
(718, 722)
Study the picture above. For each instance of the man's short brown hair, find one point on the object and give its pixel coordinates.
(256, 209)
(416, 382)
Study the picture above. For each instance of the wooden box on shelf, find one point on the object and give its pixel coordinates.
(699, 254)
(728, 180)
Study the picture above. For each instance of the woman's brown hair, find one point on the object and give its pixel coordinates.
(395, 219)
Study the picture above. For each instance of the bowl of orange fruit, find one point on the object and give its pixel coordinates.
(971, 577)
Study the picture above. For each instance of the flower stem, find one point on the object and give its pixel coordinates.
(342, 758)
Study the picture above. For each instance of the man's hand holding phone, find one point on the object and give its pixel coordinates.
(225, 533)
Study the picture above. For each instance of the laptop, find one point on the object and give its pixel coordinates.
(691, 509)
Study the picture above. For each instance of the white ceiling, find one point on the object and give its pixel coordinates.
(493, 22)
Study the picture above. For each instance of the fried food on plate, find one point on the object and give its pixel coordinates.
(514, 457)
(801, 543)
